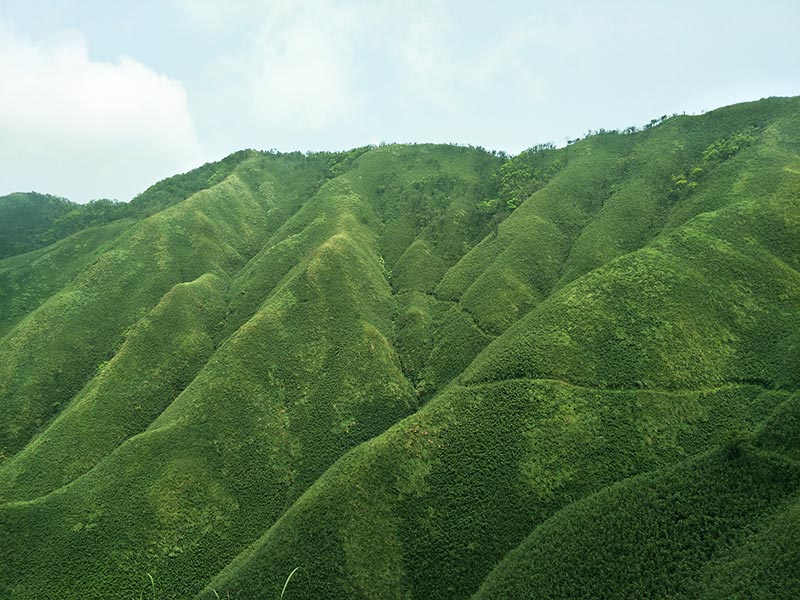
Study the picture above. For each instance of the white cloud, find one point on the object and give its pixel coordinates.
(431, 69)
(302, 76)
(295, 70)
(86, 129)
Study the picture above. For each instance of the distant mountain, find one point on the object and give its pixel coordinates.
(25, 219)
(415, 371)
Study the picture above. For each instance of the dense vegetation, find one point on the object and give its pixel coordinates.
(26, 220)
(414, 372)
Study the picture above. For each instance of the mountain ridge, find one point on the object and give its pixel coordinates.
(394, 366)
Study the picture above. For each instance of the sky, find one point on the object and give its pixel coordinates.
(102, 98)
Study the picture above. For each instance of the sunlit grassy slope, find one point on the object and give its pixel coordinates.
(419, 372)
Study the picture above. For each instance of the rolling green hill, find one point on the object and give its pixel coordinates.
(414, 371)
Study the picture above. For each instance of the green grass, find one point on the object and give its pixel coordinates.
(158, 358)
(716, 526)
(27, 280)
(366, 364)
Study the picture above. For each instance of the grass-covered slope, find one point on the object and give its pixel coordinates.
(53, 352)
(158, 358)
(57, 348)
(723, 525)
(711, 302)
(517, 445)
(418, 372)
(278, 382)
(427, 509)
(303, 370)
(693, 314)
(28, 280)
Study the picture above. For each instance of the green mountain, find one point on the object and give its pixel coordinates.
(414, 372)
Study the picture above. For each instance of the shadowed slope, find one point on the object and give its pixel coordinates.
(718, 526)
(26, 218)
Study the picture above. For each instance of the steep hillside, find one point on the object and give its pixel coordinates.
(721, 525)
(419, 372)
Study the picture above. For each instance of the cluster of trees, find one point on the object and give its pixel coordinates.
(520, 177)
(627, 131)
(91, 214)
(716, 153)
(24, 218)
(29, 220)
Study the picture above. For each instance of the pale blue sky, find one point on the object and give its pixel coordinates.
(103, 98)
